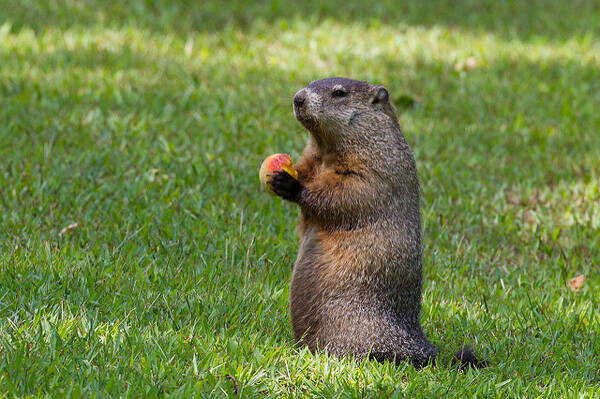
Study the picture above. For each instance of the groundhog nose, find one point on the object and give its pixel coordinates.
(299, 99)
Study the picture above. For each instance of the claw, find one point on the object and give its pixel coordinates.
(284, 185)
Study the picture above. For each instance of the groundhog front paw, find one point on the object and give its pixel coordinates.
(285, 185)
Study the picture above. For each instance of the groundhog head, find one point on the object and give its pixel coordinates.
(335, 108)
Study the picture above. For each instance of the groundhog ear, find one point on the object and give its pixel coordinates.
(380, 96)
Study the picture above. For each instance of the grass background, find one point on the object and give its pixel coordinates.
(145, 123)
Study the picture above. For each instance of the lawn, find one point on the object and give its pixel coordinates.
(142, 124)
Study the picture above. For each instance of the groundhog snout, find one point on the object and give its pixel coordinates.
(307, 108)
(299, 99)
(303, 108)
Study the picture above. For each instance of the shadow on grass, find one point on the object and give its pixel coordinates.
(553, 20)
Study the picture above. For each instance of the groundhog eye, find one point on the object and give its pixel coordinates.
(338, 93)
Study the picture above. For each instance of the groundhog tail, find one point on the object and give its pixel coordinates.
(466, 358)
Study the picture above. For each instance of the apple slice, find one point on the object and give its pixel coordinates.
(272, 164)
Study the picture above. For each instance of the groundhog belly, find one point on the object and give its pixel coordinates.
(353, 292)
(332, 267)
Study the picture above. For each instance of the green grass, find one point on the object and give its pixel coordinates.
(145, 123)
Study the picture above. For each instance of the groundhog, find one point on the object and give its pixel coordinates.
(356, 283)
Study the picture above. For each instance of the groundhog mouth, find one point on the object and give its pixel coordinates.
(307, 120)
